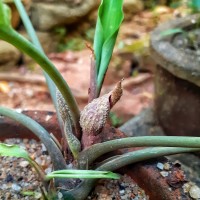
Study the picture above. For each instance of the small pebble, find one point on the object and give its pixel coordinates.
(60, 195)
(195, 192)
(186, 187)
(122, 192)
(164, 173)
(24, 163)
(167, 166)
(160, 166)
(16, 187)
(37, 195)
(9, 178)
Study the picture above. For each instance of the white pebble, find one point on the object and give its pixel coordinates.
(60, 195)
(195, 192)
(24, 163)
(160, 166)
(164, 173)
(16, 187)
(122, 192)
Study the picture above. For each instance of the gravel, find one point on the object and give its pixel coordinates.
(19, 181)
(124, 188)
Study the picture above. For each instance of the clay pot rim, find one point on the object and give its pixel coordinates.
(168, 56)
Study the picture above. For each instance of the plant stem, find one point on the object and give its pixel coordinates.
(92, 153)
(54, 152)
(82, 191)
(93, 80)
(11, 36)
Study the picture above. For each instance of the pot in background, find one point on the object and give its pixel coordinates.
(177, 76)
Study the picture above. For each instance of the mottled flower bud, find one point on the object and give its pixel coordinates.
(94, 115)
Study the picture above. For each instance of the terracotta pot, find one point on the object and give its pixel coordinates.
(146, 174)
(177, 78)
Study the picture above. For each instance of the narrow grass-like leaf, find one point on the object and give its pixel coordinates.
(82, 174)
(110, 16)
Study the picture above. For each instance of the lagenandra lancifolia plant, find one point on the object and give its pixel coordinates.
(83, 133)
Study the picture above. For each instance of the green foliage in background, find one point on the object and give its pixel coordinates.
(194, 5)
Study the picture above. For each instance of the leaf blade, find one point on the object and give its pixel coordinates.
(110, 17)
(83, 174)
(13, 151)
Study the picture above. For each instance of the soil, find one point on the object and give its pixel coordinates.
(19, 181)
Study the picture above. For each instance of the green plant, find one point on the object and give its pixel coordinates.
(82, 132)
(194, 5)
(115, 120)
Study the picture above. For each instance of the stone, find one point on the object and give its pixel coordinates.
(195, 192)
(164, 173)
(9, 54)
(167, 166)
(46, 16)
(16, 187)
(160, 166)
(24, 163)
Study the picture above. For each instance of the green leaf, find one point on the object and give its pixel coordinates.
(13, 151)
(194, 4)
(31, 193)
(18, 152)
(110, 16)
(82, 174)
(171, 32)
(5, 15)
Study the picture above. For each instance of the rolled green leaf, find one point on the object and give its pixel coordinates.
(110, 16)
(82, 174)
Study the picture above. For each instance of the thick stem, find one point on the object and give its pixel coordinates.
(87, 156)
